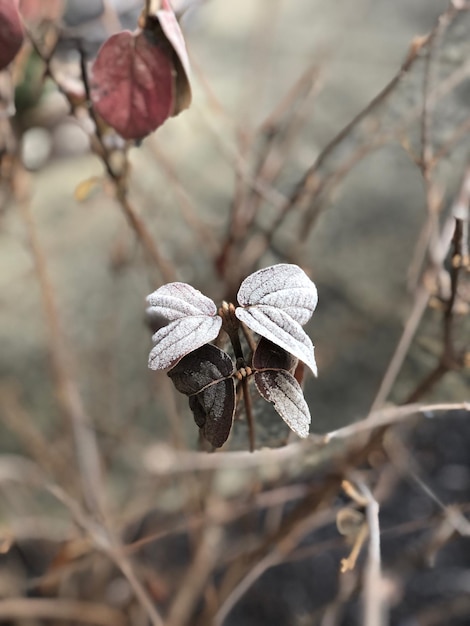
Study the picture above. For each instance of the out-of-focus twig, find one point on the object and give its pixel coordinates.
(161, 460)
(195, 579)
(67, 391)
(274, 557)
(118, 176)
(120, 179)
(451, 235)
(373, 605)
(60, 609)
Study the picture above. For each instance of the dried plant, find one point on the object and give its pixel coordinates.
(111, 511)
(275, 303)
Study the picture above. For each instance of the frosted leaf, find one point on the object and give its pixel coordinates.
(279, 327)
(176, 300)
(180, 338)
(283, 286)
(193, 323)
(205, 375)
(275, 302)
(284, 392)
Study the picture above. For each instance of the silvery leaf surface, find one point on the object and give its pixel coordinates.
(284, 392)
(180, 338)
(283, 286)
(213, 410)
(279, 327)
(201, 368)
(193, 322)
(176, 300)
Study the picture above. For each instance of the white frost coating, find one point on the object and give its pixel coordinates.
(283, 286)
(285, 393)
(279, 327)
(177, 300)
(181, 337)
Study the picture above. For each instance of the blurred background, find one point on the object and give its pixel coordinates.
(274, 82)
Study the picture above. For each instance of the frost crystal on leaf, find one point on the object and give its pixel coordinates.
(193, 322)
(275, 383)
(285, 393)
(275, 302)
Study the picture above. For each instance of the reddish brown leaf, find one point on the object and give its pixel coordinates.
(11, 32)
(132, 86)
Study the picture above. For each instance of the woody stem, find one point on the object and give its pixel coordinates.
(231, 326)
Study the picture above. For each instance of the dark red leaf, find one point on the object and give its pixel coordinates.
(11, 32)
(132, 86)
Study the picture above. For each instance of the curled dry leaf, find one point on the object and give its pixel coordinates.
(205, 375)
(276, 384)
(11, 32)
(275, 302)
(193, 322)
(172, 31)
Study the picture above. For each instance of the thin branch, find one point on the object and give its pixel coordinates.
(26, 609)
(103, 541)
(196, 576)
(67, 391)
(373, 604)
(420, 304)
(120, 180)
(162, 460)
(277, 555)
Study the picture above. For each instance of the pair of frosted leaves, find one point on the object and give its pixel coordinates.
(275, 303)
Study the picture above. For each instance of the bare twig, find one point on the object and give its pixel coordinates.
(196, 576)
(161, 460)
(67, 392)
(373, 605)
(274, 557)
(60, 609)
